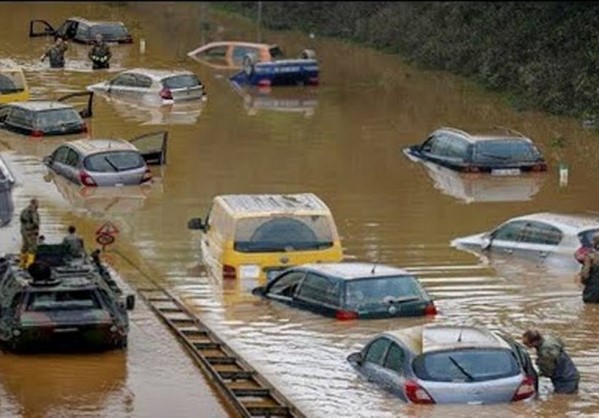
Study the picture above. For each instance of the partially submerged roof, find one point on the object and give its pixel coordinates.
(252, 204)
(425, 339)
(573, 223)
(488, 134)
(356, 270)
(158, 74)
(40, 105)
(95, 22)
(229, 43)
(94, 146)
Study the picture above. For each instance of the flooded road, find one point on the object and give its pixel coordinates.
(347, 149)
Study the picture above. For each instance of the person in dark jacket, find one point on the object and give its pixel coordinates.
(589, 274)
(553, 361)
(56, 53)
(100, 54)
(73, 244)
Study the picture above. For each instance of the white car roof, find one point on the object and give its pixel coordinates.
(158, 74)
(268, 204)
(40, 105)
(356, 270)
(429, 338)
(569, 223)
(94, 146)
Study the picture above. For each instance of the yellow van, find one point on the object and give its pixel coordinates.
(256, 236)
(13, 86)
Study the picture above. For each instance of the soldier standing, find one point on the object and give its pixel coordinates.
(553, 361)
(56, 53)
(73, 244)
(100, 54)
(589, 274)
(30, 228)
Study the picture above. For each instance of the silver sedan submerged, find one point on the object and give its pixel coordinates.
(550, 238)
(448, 364)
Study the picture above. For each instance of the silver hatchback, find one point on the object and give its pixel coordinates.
(109, 162)
(448, 364)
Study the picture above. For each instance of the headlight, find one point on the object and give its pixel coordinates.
(249, 271)
(16, 332)
(113, 328)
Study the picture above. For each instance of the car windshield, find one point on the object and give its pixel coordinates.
(11, 82)
(63, 300)
(470, 364)
(382, 291)
(181, 81)
(49, 119)
(116, 161)
(587, 236)
(109, 31)
(505, 151)
(285, 233)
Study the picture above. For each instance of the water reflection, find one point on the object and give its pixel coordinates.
(287, 99)
(63, 385)
(471, 188)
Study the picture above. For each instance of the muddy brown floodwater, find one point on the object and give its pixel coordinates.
(342, 142)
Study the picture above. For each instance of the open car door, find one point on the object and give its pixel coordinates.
(38, 27)
(82, 102)
(152, 147)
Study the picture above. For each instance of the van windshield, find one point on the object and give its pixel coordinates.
(284, 234)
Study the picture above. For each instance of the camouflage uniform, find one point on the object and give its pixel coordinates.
(56, 55)
(30, 226)
(100, 54)
(589, 276)
(74, 246)
(555, 363)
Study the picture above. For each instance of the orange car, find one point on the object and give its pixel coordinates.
(230, 54)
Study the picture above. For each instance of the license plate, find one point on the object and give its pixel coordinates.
(249, 271)
(505, 172)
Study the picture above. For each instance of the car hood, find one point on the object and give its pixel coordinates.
(468, 241)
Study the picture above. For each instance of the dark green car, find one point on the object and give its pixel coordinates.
(61, 303)
(350, 291)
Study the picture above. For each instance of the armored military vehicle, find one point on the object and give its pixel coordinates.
(61, 302)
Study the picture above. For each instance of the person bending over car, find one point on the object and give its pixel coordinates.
(589, 273)
(100, 54)
(553, 361)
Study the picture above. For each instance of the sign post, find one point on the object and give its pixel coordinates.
(106, 235)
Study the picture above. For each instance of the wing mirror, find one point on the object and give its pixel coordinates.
(259, 291)
(130, 302)
(355, 358)
(485, 241)
(196, 223)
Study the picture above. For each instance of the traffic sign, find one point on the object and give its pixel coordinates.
(107, 228)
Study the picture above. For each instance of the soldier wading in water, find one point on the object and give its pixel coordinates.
(100, 54)
(30, 228)
(56, 53)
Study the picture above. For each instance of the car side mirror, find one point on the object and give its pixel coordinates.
(130, 302)
(47, 159)
(355, 358)
(196, 223)
(258, 291)
(486, 241)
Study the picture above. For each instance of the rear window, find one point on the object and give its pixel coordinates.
(109, 31)
(57, 118)
(505, 151)
(111, 162)
(466, 365)
(63, 300)
(287, 233)
(384, 290)
(11, 82)
(181, 81)
(587, 236)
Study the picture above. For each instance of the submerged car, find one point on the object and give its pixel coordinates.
(436, 364)
(44, 118)
(13, 85)
(157, 87)
(109, 162)
(61, 302)
(498, 151)
(350, 291)
(82, 30)
(230, 54)
(539, 236)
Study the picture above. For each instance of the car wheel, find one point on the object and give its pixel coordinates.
(248, 65)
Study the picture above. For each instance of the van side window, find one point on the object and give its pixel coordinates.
(320, 289)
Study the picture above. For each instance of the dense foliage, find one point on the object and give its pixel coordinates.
(542, 53)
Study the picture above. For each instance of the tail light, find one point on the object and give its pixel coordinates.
(539, 167)
(471, 169)
(416, 393)
(430, 309)
(86, 179)
(166, 94)
(229, 272)
(525, 390)
(36, 133)
(313, 81)
(84, 128)
(346, 315)
(264, 83)
(147, 176)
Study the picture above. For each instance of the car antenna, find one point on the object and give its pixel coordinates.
(461, 332)
(373, 267)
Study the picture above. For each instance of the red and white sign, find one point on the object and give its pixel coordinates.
(106, 234)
